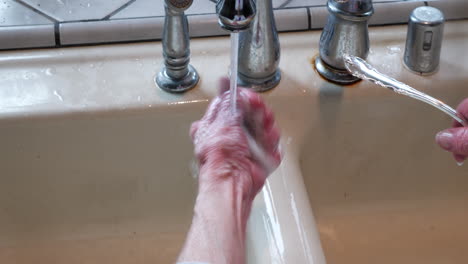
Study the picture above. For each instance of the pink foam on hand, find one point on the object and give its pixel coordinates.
(243, 145)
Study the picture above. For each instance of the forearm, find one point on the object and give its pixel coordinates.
(217, 234)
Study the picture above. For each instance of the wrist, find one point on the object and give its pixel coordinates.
(225, 179)
(226, 195)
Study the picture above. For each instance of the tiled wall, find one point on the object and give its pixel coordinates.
(56, 23)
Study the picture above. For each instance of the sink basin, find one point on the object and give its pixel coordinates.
(96, 160)
(380, 188)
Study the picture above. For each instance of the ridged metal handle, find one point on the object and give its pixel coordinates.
(178, 75)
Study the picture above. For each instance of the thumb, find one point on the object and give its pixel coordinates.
(454, 140)
(223, 85)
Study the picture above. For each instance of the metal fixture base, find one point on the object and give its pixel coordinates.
(171, 85)
(260, 85)
(334, 75)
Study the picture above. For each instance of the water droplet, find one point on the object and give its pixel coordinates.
(91, 65)
(139, 98)
(150, 106)
(50, 71)
(88, 5)
(29, 75)
(393, 50)
(58, 95)
(70, 11)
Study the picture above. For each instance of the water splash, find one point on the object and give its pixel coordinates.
(363, 70)
(234, 68)
(50, 71)
(393, 50)
(58, 95)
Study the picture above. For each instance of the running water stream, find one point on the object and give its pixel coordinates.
(363, 70)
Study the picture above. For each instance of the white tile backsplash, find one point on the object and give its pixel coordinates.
(111, 31)
(148, 8)
(297, 3)
(452, 9)
(142, 8)
(13, 13)
(393, 12)
(291, 19)
(74, 22)
(17, 37)
(318, 16)
(73, 10)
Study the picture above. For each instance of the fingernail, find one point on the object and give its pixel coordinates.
(445, 140)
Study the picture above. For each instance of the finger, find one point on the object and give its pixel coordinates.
(223, 85)
(459, 158)
(253, 110)
(194, 129)
(268, 119)
(454, 140)
(272, 137)
(212, 110)
(462, 111)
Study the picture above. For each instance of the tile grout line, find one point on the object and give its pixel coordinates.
(28, 6)
(57, 34)
(118, 10)
(309, 19)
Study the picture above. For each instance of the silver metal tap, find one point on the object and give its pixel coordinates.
(235, 15)
(259, 51)
(424, 40)
(178, 75)
(346, 32)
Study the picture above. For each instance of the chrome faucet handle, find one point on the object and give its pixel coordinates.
(235, 15)
(346, 32)
(259, 51)
(178, 75)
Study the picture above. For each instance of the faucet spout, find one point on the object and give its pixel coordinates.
(235, 15)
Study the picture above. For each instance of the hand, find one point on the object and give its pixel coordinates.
(221, 145)
(455, 139)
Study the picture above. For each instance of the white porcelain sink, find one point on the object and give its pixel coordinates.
(95, 160)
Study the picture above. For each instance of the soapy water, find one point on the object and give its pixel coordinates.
(393, 50)
(363, 70)
(257, 151)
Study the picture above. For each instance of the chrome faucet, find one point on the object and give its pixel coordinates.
(259, 48)
(235, 15)
(259, 51)
(346, 32)
(178, 75)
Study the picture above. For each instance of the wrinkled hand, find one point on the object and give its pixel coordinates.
(221, 146)
(455, 139)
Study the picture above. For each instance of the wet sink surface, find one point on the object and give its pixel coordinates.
(95, 160)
